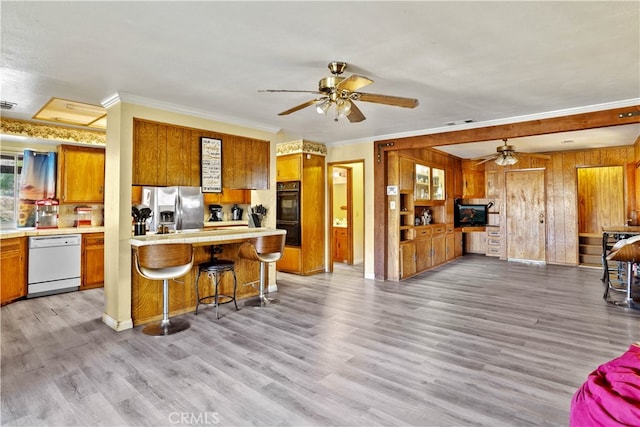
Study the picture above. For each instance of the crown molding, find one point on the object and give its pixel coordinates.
(175, 108)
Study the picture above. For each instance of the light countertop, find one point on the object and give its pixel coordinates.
(205, 236)
(32, 231)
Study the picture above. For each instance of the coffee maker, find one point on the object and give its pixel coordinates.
(215, 213)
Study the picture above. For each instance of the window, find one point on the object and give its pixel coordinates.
(10, 168)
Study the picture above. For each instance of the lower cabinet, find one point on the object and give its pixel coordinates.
(433, 245)
(13, 265)
(340, 244)
(407, 259)
(291, 261)
(92, 260)
(424, 253)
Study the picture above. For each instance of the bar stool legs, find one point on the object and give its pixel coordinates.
(166, 326)
(214, 270)
(262, 300)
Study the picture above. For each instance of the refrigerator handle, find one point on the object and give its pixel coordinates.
(178, 212)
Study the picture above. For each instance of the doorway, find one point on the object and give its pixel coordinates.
(526, 217)
(600, 204)
(346, 216)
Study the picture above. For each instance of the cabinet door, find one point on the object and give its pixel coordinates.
(473, 184)
(257, 167)
(438, 184)
(407, 174)
(288, 168)
(291, 260)
(423, 183)
(407, 260)
(80, 174)
(423, 253)
(146, 153)
(178, 149)
(92, 260)
(13, 264)
(450, 247)
(439, 249)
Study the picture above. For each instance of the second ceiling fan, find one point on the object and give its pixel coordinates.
(506, 155)
(341, 92)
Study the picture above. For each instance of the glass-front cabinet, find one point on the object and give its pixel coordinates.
(429, 183)
(437, 179)
(422, 189)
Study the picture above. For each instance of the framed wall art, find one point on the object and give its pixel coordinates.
(211, 170)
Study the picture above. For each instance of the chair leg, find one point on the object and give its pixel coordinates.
(235, 287)
(197, 291)
(166, 326)
(262, 300)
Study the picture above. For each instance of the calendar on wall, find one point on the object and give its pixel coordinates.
(211, 155)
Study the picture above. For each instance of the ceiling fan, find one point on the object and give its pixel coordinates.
(341, 92)
(506, 155)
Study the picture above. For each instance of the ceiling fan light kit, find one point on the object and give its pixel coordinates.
(341, 92)
(506, 155)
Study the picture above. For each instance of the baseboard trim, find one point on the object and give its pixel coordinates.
(116, 325)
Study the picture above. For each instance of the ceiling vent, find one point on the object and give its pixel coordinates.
(7, 106)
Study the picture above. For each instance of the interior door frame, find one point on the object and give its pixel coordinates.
(344, 164)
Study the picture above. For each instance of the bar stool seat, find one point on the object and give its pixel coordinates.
(627, 251)
(164, 262)
(264, 249)
(214, 269)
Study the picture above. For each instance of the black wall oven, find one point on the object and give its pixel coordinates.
(288, 210)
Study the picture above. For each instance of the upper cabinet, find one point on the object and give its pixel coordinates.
(80, 174)
(165, 154)
(429, 183)
(289, 168)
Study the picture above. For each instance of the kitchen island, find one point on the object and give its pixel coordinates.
(146, 295)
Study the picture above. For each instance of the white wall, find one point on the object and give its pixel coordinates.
(348, 153)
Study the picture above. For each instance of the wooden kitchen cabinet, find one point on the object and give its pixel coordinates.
(289, 168)
(309, 257)
(341, 244)
(92, 260)
(80, 177)
(227, 197)
(13, 266)
(407, 259)
(166, 154)
(424, 248)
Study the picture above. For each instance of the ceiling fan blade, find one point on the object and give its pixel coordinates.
(389, 100)
(301, 106)
(488, 156)
(353, 83)
(486, 160)
(287, 90)
(355, 115)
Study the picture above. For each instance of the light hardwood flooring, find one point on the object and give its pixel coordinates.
(477, 342)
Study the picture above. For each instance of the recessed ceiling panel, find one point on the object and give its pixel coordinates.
(73, 113)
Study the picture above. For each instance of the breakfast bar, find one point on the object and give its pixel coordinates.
(146, 295)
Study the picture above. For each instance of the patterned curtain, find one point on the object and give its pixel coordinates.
(37, 182)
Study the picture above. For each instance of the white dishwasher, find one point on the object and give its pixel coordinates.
(54, 264)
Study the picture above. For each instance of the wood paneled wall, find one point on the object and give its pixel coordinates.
(562, 196)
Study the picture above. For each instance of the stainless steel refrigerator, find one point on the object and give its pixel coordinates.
(180, 208)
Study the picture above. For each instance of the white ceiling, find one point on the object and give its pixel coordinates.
(485, 61)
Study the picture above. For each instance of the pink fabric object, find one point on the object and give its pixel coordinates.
(611, 394)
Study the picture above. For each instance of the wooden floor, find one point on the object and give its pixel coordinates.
(476, 342)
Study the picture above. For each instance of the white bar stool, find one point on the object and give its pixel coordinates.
(164, 262)
(628, 251)
(265, 249)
